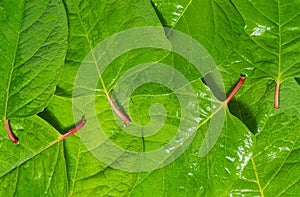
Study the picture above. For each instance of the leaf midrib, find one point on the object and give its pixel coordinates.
(12, 66)
(257, 178)
(279, 43)
(183, 12)
(86, 34)
(32, 156)
(76, 169)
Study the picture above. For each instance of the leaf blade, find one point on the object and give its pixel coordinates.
(35, 46)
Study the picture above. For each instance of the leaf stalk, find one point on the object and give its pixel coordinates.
(77, 128)
(10, 133)
(236, 88)
(116, 110)
(276, 97)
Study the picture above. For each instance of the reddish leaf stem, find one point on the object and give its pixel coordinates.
(236, 88)
(116, 110)
(276, 97)
(78, 127)
(10, 133)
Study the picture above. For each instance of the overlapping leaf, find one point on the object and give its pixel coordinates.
(251, 37)
(272, 36)
(267, 51)
(90, 22)
(215, 24)
(33, 39)
(36, 165)
(192, 175)
(33, 45)
(274, 167)
(88, 175)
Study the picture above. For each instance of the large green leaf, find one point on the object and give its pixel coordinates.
(87, 176)
(192, 175)
(36, 166)
(33, 38)
(272, 36)
(238, 164)
(267, 50)
(90, 22)
(266, 42)
(215, 24)
(275, 165)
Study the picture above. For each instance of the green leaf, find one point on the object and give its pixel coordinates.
(267, 50)
(32, 47)
(192, 175)
(90, 22)
(268, 47)
(271, 44)
(275, 165)
(272, 35)
(232, 162)
(214, 24)
(268, 53)
(37, 161)
(86, 174)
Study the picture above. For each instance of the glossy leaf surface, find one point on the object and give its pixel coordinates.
(254, 152)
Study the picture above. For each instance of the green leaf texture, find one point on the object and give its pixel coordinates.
(274, 167)
(272, 33)
(36, 166)
(90, 22)
(33, 39)
(256, 152)
(266, 50)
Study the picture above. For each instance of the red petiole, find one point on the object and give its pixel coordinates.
(236, 88)
(10, 133)
(78, 127)
(116, 110)
(276, 97)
